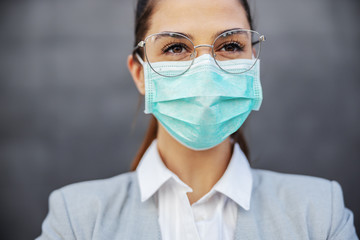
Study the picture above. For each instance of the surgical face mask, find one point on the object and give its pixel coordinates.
(205, 105)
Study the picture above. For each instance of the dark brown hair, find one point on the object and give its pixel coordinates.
(144, 9)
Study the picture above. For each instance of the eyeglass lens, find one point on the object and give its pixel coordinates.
(231, 45)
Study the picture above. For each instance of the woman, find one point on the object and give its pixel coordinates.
(197, 64)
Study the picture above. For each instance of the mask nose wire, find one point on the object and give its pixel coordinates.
(195, 54)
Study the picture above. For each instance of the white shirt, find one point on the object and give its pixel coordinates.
(211, 217)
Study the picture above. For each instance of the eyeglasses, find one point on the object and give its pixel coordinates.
(175, 47)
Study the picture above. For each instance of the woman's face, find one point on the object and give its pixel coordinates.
(202, 20)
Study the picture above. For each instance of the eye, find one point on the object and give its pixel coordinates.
(232, 47)
(176, 48)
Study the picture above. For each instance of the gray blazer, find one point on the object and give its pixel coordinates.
(283, 206)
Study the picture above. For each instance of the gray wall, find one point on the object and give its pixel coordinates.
(67, 102)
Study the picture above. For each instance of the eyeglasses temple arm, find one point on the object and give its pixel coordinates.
(139, 45)
(261, 39)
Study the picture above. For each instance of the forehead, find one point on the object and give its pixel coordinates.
(199, 18)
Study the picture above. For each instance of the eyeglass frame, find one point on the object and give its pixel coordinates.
(142, 44)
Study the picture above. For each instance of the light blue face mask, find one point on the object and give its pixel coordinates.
(205, 105)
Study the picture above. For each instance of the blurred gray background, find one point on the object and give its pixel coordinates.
(67, 102)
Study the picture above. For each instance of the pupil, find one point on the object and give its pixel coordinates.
(229, 47)
(177, 49)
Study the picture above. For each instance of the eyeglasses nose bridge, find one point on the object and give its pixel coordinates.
(203, 45)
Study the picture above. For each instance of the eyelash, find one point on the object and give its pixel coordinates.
(240, 45)
(169, 45)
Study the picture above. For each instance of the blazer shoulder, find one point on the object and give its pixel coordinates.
(97, 194)
(75, 209)
(101, 187)
(310, 201)
(293, 187)
(294, 182)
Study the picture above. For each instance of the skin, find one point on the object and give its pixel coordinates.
(201, 19)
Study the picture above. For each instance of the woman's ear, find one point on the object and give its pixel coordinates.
(254, 52)
(136, 71)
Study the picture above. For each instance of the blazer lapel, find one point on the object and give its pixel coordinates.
(145, 220)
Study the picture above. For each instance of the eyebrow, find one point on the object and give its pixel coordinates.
(221, 32)
(213, 36)
(181, 33)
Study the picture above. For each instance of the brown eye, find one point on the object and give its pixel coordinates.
(232, 47)
(175, 49)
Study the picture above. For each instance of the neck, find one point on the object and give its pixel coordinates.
(200, 170)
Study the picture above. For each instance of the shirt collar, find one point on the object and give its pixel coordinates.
(152, 172)
(236, 183)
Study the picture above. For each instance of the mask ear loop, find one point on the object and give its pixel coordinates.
(139, 58)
